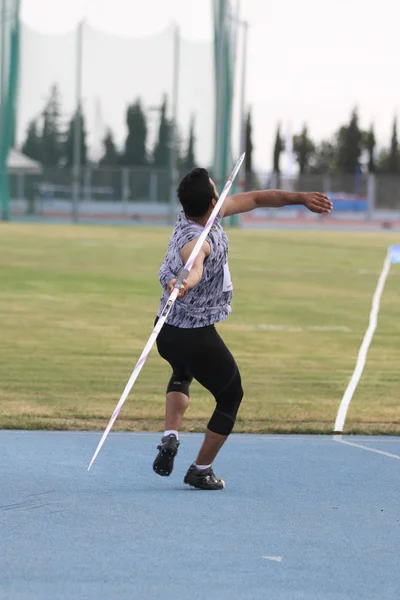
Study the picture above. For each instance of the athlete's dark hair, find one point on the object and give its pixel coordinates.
(196, 193)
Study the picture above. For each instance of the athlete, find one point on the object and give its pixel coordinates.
(189, 341)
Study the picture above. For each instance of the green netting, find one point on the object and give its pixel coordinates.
(9, 46)
(116, 70)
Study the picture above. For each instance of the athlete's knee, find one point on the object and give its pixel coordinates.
(177, 383)
(228, 402)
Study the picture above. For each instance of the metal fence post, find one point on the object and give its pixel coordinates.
(154, 186)
(21, 186)
(87, 185)
(371, 195)
(125, 189)
(327, 184)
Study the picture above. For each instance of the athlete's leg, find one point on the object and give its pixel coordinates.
(172, 347)
(214, 367)
(212, 444)
(177, 402)
(177, 398)
(175, 407)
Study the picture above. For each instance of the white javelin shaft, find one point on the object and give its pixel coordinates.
(168, 306)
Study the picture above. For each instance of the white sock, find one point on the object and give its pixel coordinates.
(202, 467)
(169, 431)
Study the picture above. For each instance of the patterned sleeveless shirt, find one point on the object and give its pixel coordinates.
(208, 302)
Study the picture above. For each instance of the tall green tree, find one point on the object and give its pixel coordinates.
(110, 157)
(383, 160)
(304, 149)
(69, 142)
(279, 147)
(52, 139)
(32, 145)
(370, 145)
(349, 145)
(189, 161)
(163, 144)
(394, 156)
(181, 155)
(135, 144)
(324, 158)
(249, 150)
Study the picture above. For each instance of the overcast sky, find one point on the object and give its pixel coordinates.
(308, 61)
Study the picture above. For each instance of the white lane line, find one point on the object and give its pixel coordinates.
(299, 437)
(362, 355)
(274, 558)
(367, 448)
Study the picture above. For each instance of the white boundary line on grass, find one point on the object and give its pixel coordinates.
(362, 354)
(362, 447)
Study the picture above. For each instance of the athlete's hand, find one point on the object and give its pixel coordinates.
(317, 203)
(183, 290)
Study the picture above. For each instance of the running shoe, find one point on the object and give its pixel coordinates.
(164, 461)
(203, 479)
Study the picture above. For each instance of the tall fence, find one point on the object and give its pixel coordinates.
(116, 70)
(138, 194)
(142, 194)
(360, 196)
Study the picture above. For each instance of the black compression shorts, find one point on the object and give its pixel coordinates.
(198, 353)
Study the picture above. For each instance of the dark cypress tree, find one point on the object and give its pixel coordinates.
(162, 147)
(370, 144)
(32, 145)
(52, 142)
(249, 151)
(349, 145)
(324, 158)
(135, 144)
(279, 147)
(110, 157)
(189, 161)
(69, 142)
(394, 157)
(304, 149)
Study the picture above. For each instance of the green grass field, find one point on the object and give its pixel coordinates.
(77, 305)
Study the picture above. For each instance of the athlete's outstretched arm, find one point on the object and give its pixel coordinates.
(240, 203)
(196, 272)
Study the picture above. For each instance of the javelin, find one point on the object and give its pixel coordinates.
(168, 306)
